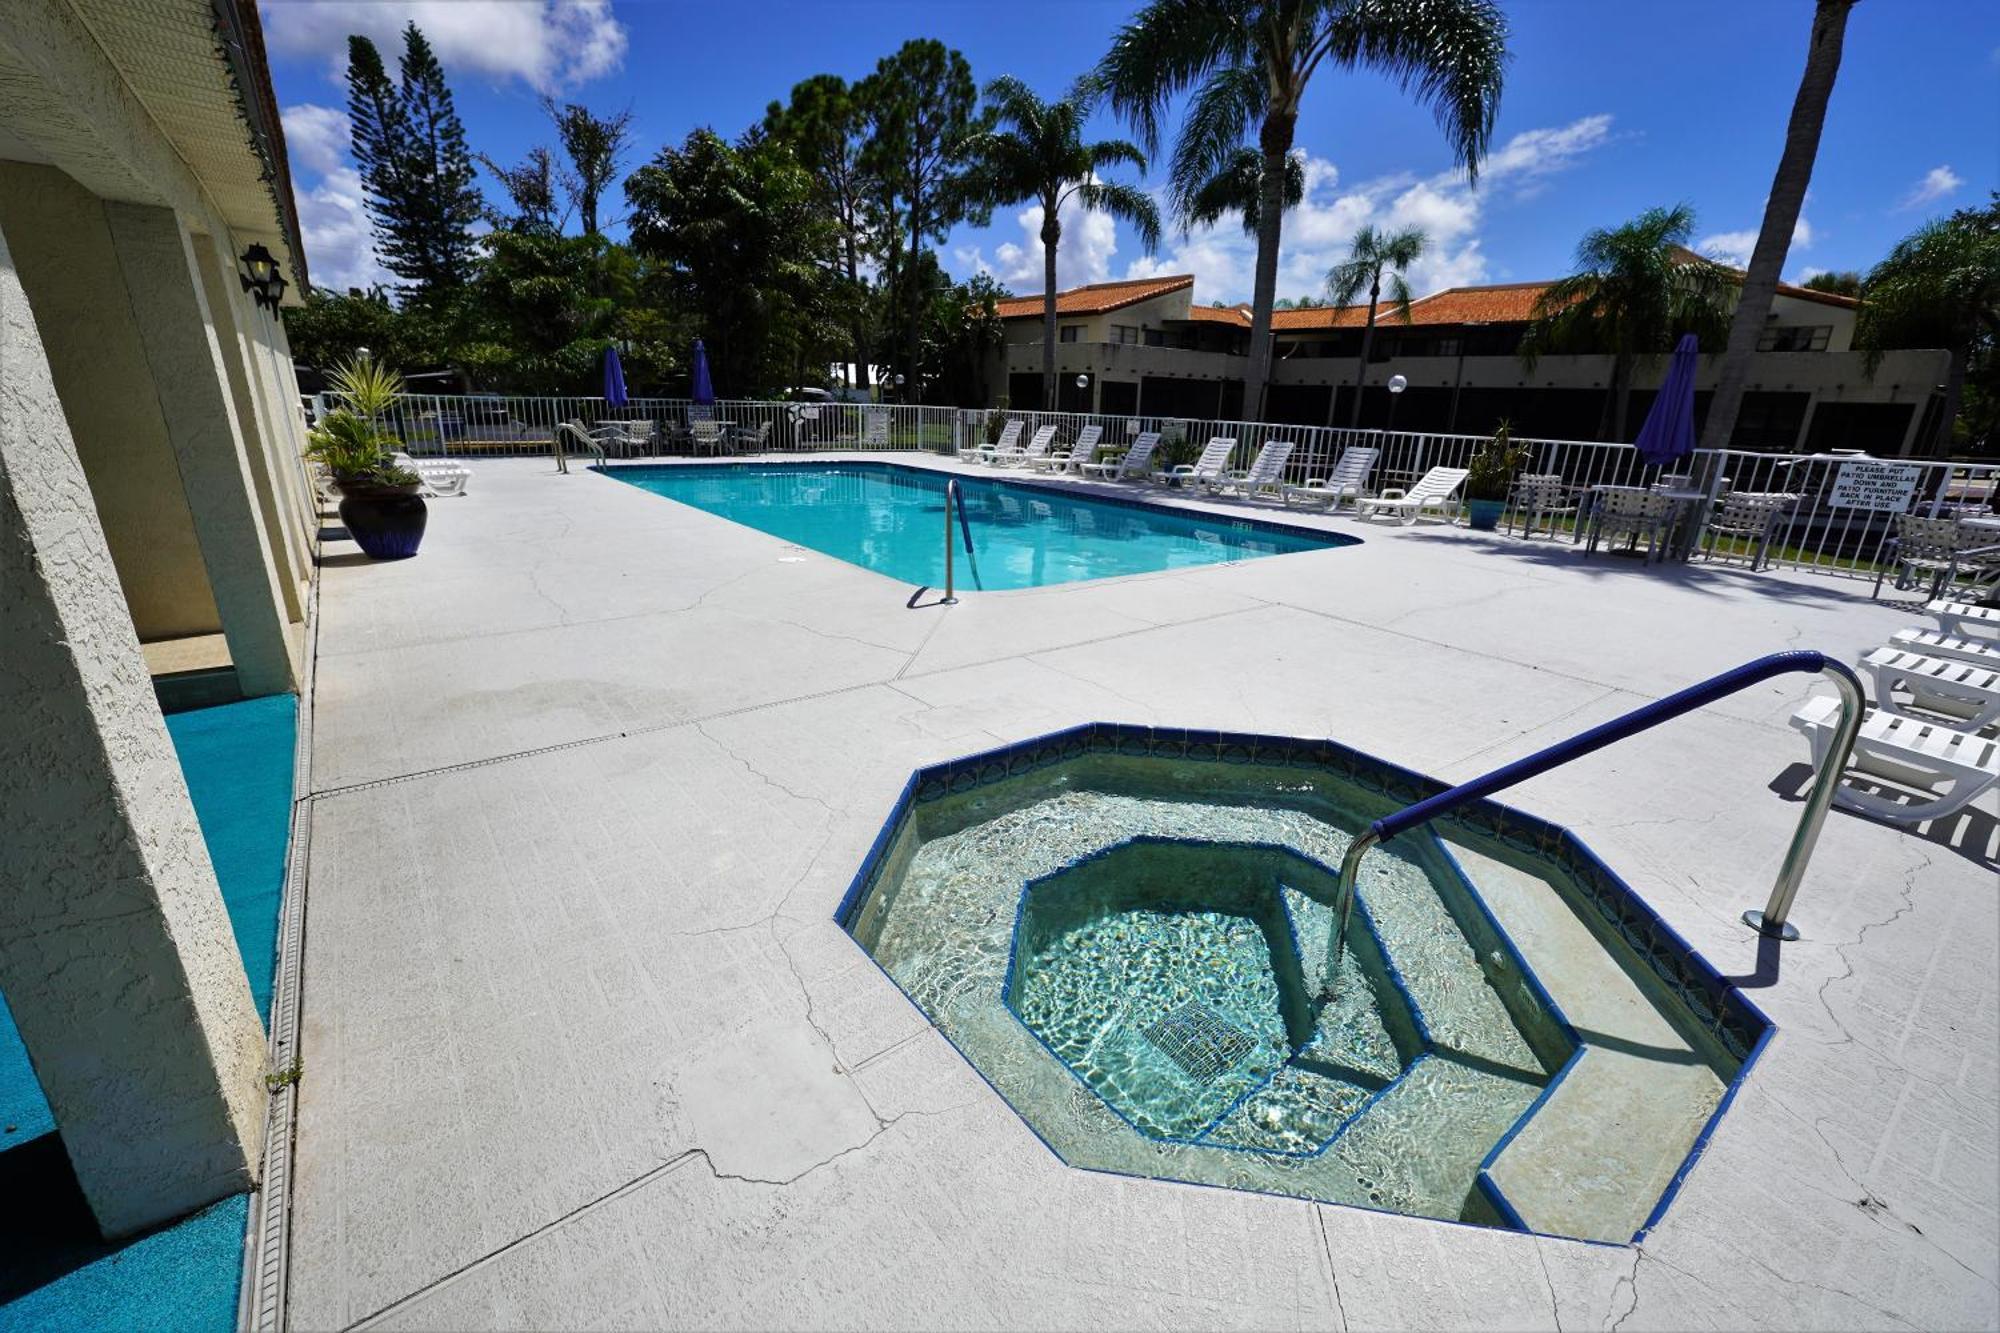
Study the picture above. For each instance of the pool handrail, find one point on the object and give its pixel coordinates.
(1772, 920)
(954, 499)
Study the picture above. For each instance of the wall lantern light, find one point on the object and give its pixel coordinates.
(261, 277)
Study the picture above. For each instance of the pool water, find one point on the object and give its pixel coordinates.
(891, 519)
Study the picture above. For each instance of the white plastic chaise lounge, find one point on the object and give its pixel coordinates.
(1910, 753)
(1060, 460)
(1936, 643)
(441, 476)
(1010, 438)
(1963, 620)
(1958, 694)
(1137, 462)
(1207, 470)
(1036, 447)
(1266, 473)
(1348, 480)
(1433, 494)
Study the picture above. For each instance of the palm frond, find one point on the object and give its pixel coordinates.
(1236, 188)
(1218, 117)
(1128, 203)
(1450, 54)
(1164, 50)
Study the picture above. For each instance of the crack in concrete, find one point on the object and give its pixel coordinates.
(883, 1127)
(1332, 1272)
(1631, 1284)
(701, 728)
(1555, 1301)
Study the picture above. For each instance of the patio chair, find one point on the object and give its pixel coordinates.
(1348, 480)
(1963, 620)
(1749, 517)
(1540, 497)
(1010, 437)
(1265, 475)
(1206, 470)
(1060, 460)
(1935, 643)
(1634, 514)
(1908, 752)
(1957, 693)
(1036, 447)
(1435, 494)
(1940, 554)
(1137, 462)
(441, 476)
(750, 439)
(708, 436)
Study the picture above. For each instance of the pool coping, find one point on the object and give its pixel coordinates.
(1327, 538)
(1652, 939)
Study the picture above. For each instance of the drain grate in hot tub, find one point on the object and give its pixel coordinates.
(1202, 1042)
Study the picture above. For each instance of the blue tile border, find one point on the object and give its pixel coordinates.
(1730, 1017)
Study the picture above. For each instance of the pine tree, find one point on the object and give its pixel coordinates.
(414, 165)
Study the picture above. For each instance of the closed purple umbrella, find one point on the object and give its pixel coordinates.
(614, 377)
(1669, 430)
(704, 391)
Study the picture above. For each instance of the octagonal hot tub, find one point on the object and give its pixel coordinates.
(1131, 934)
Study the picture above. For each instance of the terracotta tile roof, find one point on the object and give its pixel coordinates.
(1096, 298)
(1507, 303)
(1787, 289)
(1235, 316)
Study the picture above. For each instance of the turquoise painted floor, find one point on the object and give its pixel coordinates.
(54, 1271)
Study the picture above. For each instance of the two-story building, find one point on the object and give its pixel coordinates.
(1145, 347)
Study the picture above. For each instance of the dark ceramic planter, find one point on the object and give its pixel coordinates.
(387, 523)
(1484, 515)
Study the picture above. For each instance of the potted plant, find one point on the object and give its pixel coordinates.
(379, 504)
(1490, 478)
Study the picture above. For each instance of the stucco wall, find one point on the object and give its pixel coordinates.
(62, 248)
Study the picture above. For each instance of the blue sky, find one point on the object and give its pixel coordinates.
(1610, 107)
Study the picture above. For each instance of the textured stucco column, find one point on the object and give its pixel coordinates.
(245, 391)
(116, 955)
(156, 259)
(283, 383)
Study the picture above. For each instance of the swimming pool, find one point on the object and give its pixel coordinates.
(891, 519)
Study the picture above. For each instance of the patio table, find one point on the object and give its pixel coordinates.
(1685, 499)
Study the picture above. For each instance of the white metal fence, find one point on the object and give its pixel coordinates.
(1817, 531)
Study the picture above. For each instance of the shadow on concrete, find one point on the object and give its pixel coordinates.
(1766, 971)
(345, 560)
(1971, 833)
(56, 1234)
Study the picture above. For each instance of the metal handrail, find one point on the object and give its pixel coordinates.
(1772, 920)
(954, 499)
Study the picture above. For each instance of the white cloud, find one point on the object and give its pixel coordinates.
(1083, 254)
(547, 44)
(340, 245)
(1938, 183)
(1318, 231)
(1734, 247)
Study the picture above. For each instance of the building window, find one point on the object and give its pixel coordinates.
(1795, 338)
(1124, 333)
(1069, 333)
(1156, 338)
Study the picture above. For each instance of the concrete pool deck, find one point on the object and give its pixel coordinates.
(582, 1045)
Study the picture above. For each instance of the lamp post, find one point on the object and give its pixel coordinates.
(1083, 387)
(1396, 386)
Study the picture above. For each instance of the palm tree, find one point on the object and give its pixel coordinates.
(1248, 62)
(1043, 156)
(1237, 187)
(1781, 215)
(1636, 289)
(1371, 254)
(1940, 287)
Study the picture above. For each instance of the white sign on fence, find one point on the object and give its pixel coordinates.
(1874, 486)
(875, 426)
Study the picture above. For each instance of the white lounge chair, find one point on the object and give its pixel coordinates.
(1137, 462)
(441, 476)
(1933, 643)
(1037, 447)
(1348, 480)
(1010, 439)
(1908, 752)
(1433, 494)
(1207, 470)
(1266, 473)
(1060, 460)
(1960, 694)
(1963, 620)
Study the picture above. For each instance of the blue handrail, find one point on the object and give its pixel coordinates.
(1771, 921)
(964, 525)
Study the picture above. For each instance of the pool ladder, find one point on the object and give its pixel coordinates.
(1772, 920)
